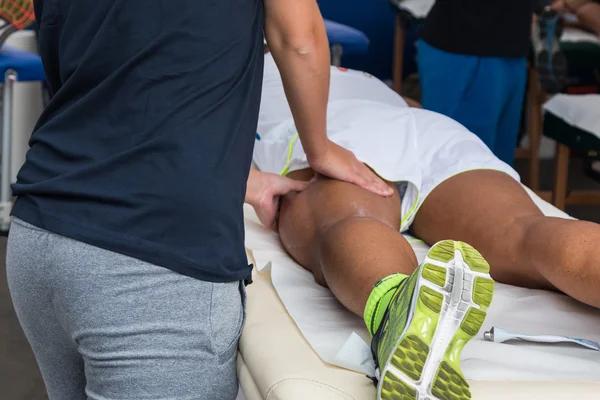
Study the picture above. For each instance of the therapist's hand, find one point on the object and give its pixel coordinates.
(341, 164)
(264, 191)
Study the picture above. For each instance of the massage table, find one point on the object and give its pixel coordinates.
(570, 119)
(573, 121)
(344, 39)
(15, 66)
(582, 51)
(277, 362)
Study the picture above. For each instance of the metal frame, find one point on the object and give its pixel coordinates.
(10, 77)
(336, 55)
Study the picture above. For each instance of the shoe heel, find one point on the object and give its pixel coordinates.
(467, 299)
(449, 382)
(483, 286)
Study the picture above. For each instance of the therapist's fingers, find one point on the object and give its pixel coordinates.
(340, 163)
(267, 213)
(274, 213)
(368, 180)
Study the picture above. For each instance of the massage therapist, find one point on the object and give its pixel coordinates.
(125, 259)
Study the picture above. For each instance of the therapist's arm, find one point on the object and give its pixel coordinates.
(296, 36)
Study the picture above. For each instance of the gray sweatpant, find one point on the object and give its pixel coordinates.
(104, 326)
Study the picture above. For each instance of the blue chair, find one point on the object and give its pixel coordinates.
(345, 40)
(15, 66)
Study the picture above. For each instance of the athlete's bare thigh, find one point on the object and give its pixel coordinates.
(305, 216)
(489, 210)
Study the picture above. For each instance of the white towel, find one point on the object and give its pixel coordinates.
(340, 338)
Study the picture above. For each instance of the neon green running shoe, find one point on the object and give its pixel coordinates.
(433, 315)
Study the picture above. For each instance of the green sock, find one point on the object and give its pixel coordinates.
(380, 299)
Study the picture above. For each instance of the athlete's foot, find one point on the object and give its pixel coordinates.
(550, 62)
(433, 315)
(14, 16)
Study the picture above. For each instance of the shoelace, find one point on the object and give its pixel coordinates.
(375, 378)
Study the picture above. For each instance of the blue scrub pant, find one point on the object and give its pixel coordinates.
(485, 94)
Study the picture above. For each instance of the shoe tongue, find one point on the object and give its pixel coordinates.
(379, 300)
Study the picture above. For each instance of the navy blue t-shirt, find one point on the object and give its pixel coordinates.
(145, 146)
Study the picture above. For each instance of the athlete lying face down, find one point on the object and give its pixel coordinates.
(449, 190)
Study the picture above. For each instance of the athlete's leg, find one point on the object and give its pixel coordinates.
(348, 237)
(493, 213)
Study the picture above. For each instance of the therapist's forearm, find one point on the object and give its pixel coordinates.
(304, 68)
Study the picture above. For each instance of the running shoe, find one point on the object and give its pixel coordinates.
(550, 62)
(433, 315)
(14, 16)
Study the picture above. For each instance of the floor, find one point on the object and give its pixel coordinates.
(20, 378)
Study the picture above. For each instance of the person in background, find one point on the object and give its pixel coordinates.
(125, 257)
(586, 13)
(472, 66)
(551, 60)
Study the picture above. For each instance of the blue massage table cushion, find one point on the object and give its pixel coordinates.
(352, 40)
(27, 65)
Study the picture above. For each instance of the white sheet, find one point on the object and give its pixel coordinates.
(580, 110)
(339, 337)
(418, 8)
(577, 35)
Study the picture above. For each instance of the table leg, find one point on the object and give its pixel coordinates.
(561, 175)
(534, 98)
(398, 55)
